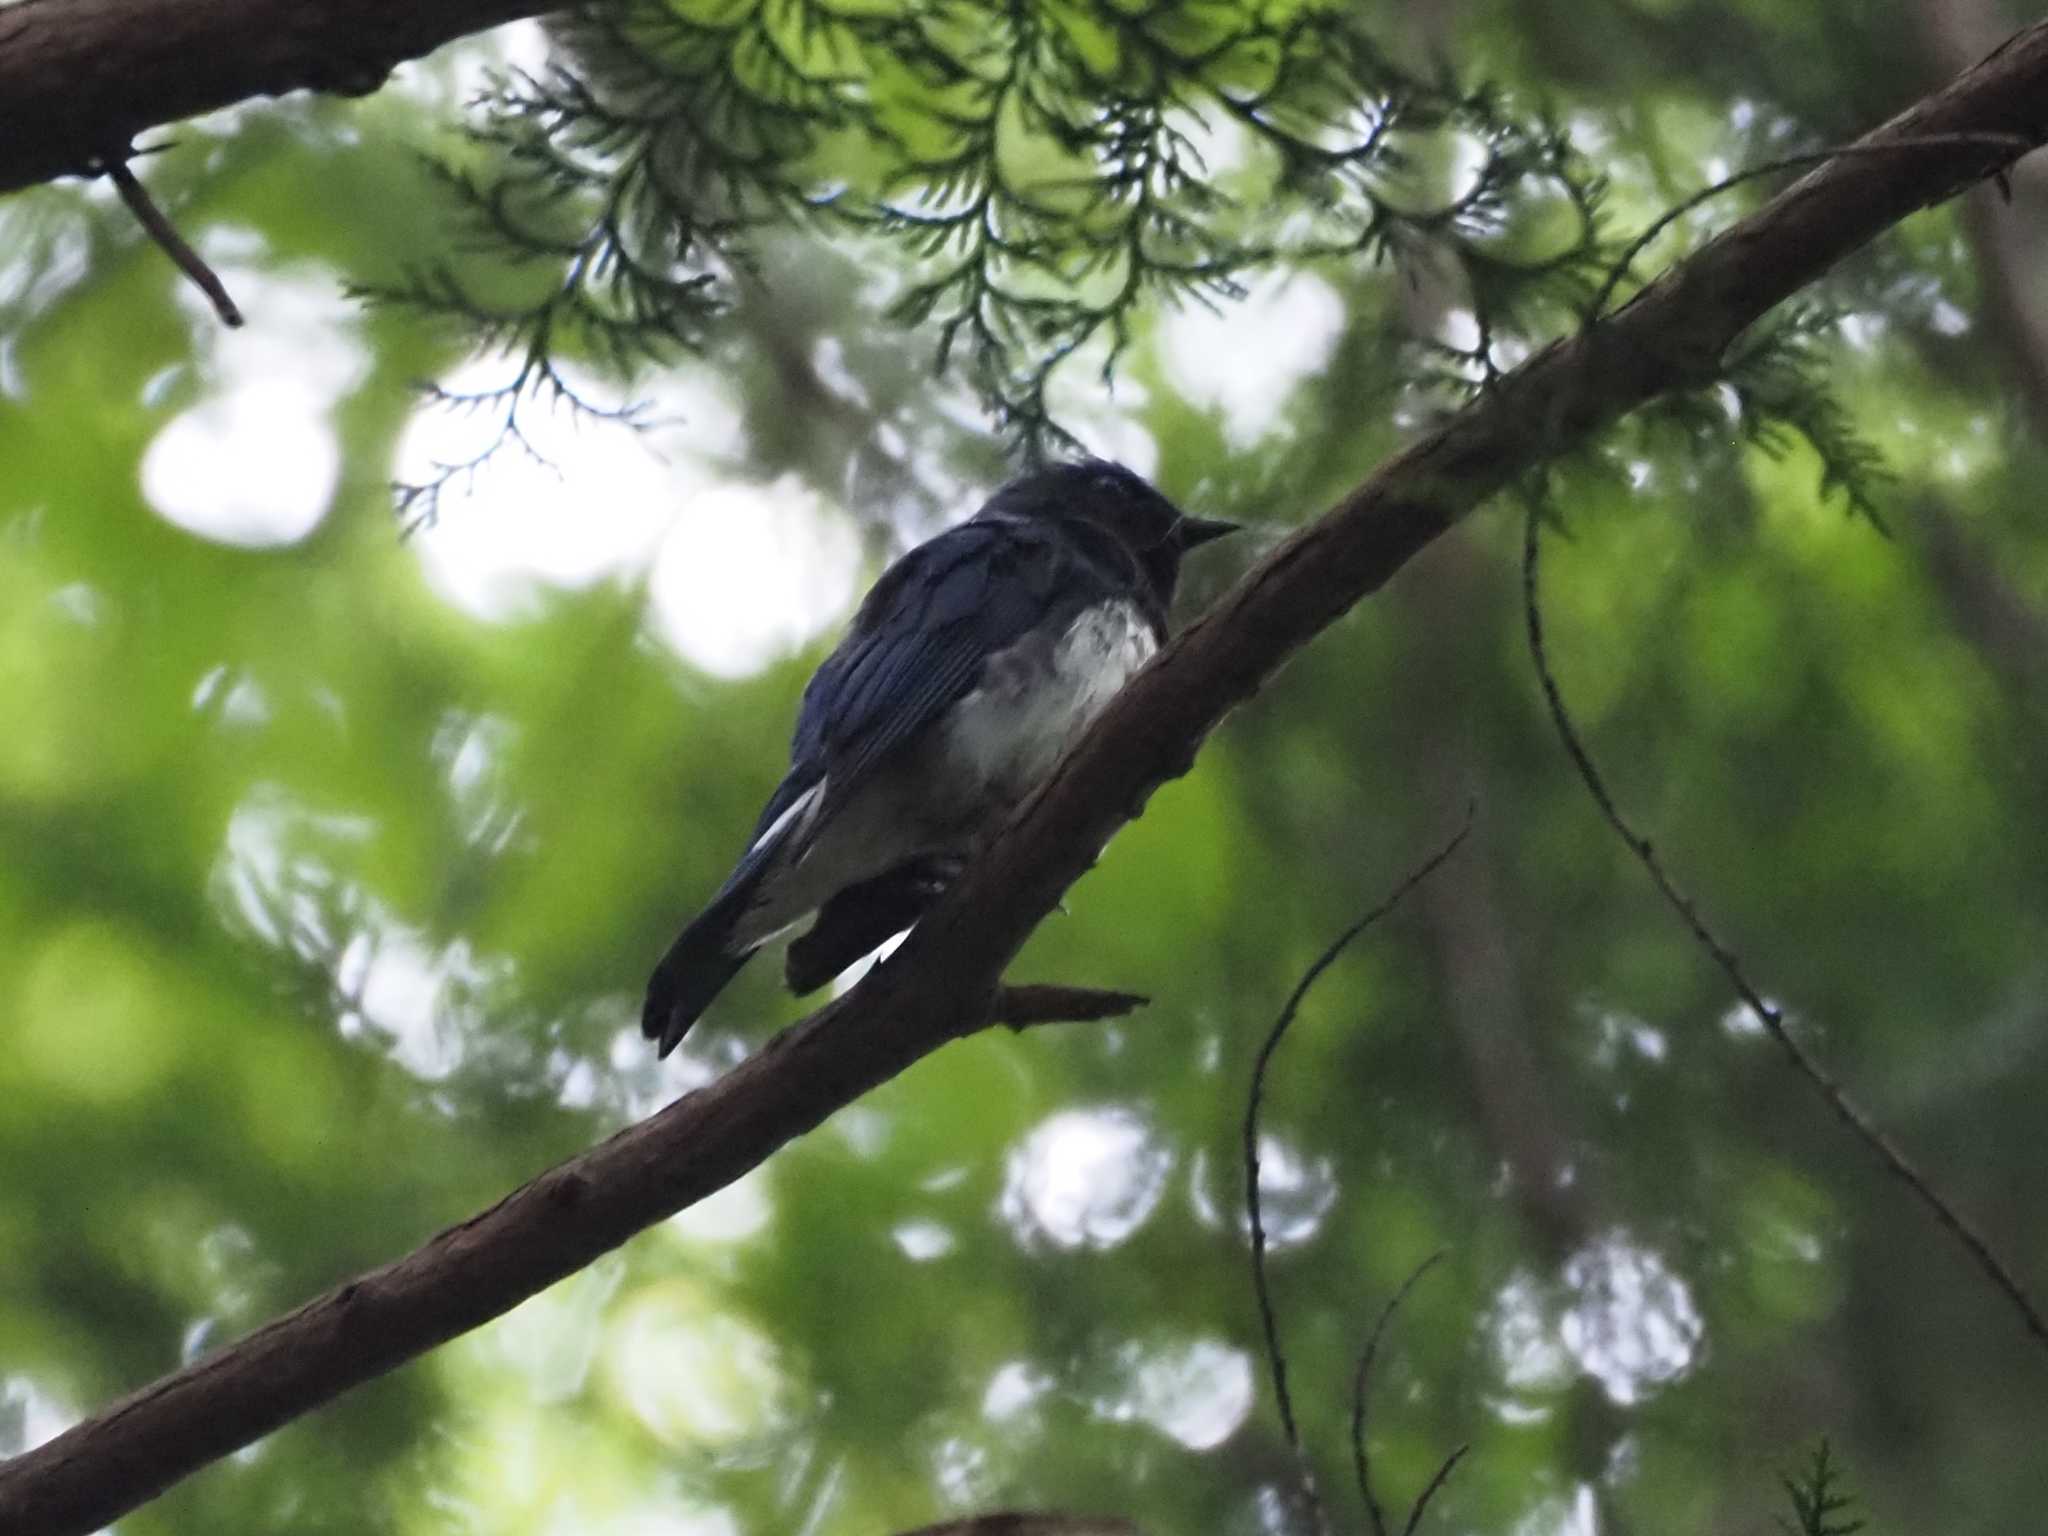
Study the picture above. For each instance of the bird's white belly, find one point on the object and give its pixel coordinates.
(993, 747)
(1034, 700)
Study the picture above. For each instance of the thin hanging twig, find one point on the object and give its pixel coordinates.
(160, 229)
(1772, 1018)
(1432, 1488)
(1276, 1359)
(1361, 1382)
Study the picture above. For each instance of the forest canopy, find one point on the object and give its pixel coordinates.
(388, 674)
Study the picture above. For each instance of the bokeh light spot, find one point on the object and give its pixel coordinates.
(1085, 1178)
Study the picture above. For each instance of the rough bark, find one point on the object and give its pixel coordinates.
(942, 983)
(79, 79)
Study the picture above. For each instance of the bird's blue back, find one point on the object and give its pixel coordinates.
(923, 634)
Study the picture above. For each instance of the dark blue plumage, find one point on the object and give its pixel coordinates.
(969, 667)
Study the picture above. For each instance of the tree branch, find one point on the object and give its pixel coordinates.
(1025, 1007)
(79, 75)
(941, 983)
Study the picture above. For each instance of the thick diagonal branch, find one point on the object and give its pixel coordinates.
(81, 78)
(941, 982)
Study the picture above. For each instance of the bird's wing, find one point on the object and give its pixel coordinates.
(921, 638)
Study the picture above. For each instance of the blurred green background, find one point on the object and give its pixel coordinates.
(331, 865)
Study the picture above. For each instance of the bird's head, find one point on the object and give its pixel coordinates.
(1104, 497)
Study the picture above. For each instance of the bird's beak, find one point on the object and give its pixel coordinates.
(1200, 530)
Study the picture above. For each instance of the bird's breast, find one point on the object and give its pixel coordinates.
(1034, 698)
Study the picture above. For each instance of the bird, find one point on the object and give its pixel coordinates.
(973, 662)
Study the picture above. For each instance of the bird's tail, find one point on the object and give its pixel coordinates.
(695, 970)
(708, 954)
